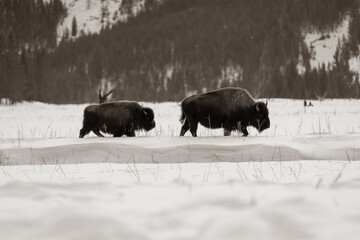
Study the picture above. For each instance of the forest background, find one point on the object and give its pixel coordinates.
(174, 48)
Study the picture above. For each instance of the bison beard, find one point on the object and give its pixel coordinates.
(117, 118)
(228, 108)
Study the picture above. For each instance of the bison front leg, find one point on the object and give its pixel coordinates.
(242, 128)
(227, 132)
(118, 134)
(130, 133)
(83, 132)
(244, 131)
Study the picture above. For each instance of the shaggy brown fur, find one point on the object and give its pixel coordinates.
(228, 108)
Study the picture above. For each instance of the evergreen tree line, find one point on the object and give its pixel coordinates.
(27, 35)
(184, 46)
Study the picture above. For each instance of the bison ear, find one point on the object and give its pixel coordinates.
(257, 107)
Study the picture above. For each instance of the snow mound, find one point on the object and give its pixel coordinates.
(183, 201)
(182, 150)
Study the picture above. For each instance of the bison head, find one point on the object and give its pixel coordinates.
(148, 120)
(260, 117)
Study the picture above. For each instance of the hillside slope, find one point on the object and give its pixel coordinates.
(182, 47)
(92, 15)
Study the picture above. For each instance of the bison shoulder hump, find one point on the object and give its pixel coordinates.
(243, 98)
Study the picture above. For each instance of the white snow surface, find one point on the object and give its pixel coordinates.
(300, 179)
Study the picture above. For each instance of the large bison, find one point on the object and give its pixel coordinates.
(117, 118)
(228, 108)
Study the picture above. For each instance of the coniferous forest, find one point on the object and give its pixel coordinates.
(175, 48)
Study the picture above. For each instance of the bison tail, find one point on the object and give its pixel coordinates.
(182, 118)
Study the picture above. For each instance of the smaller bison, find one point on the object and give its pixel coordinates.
(117, 118)
(228, 108)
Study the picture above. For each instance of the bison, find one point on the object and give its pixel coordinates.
(228, 108)
(117, 118)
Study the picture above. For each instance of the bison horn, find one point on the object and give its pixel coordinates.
(145, 112)
(266, 102)
(257, 107)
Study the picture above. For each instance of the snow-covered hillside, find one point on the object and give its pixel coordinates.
(297, 180)
(90, 18)
(323, 46)
(92, 15)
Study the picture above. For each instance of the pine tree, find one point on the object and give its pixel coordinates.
(74, 27)
(126, 8)
(104, 14)
(151, 5)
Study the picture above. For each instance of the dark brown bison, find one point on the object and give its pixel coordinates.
(117, 118)
(228, 108)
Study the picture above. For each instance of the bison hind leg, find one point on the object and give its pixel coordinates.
(193, 130)
(83, 132)
(118, 134)
(193, 127)
(96, 131)
(191, 123)
(184, 128)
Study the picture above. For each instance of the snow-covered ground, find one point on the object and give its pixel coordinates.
(300, 179)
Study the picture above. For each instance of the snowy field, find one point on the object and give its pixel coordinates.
(300, 179)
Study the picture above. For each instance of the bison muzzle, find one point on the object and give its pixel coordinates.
(228, 108)
(117, 118)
